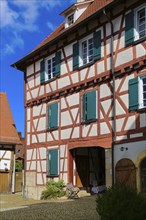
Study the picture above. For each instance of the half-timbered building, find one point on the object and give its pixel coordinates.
(85, 98)
(9, 141)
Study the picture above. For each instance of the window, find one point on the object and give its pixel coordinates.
(53, 162)
(50, 67)
(70, 19)
(137, 93)
(87, 50)
(135, 25)
(52, 122)
(89, 107)
(140, 23)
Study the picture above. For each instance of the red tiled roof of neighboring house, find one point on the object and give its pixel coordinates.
(8, 132)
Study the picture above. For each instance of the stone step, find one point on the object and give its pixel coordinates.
(83, 193)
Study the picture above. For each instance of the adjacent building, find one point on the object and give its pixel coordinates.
(9, 140)
(85, 98)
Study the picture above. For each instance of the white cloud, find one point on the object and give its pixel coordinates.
(51, 26)
(19, 16)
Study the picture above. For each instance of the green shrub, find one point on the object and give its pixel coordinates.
(53, 190)
(121, 203)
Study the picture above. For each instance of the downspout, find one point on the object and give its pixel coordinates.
(114, 94)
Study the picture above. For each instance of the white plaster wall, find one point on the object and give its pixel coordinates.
(63, 103)
(140, 50)
(53, 85)
(28, 139)
(74, 114)
(65, 134)
(134, 149)
(65, 119)
(106, 105)
(37, 66)
(63, 82)
(33, 165)
(104, 91)
(73, 99)
(7, 154)
(70, 63)
(125, 99)
(37, 79)
(117, 23)
(28, 113)
(34, 93)
(30, 70)
(124, 57)
(143, 120)
(119, 124)
(100, 67)
(42, 124)
(75, 77)
(119, 109)
(29, 154)
(41, 91)
(30, 82)
(83, 73)
(76, 133)
(93, 131)
(42, 151)
(68, 50)
(28, 126)
(125, 84)
(28, 96)
(91, 72)
(63, 151)
(104, 128)
(34, 139)
(36, 110)
(63, 68)
(34, 154)
(39, 178)
(41, 137)
(130, 123)
(85, 129)
(63, 164)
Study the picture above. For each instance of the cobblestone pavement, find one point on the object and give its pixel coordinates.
(15, 207)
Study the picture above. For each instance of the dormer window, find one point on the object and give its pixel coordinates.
(70, 19)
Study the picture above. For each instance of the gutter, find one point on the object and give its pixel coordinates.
(114, 95)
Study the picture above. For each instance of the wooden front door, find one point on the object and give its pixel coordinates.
(82, 171)
(4, 182)
(143, 175)
(126, 173)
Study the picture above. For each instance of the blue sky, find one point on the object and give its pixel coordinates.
(23, 25)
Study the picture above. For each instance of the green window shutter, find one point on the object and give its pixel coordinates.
(129, 28)
(53, 162)
(57, 63)
(133, 94)
(91, 105)
(53, 116)
(97, 45)
(75, 56)
(84, 107)
(42, 71)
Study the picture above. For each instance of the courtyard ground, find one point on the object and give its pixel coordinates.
(15, 207)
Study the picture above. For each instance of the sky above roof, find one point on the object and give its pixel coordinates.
(23, 25)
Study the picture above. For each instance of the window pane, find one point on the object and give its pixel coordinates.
(141, 22)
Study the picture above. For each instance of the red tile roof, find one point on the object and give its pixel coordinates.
(8, 132)
(94, 7)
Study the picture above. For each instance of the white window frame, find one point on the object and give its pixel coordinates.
(81, 52)
(70, 22)
(141, 98)
(136, 32)
(46, 68)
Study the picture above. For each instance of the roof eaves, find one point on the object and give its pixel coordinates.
(72, 28)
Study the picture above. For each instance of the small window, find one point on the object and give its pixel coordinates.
(50, 67)
(140, 23)
(142, 92)
(70, 19)
(52, 122)
(89, 107)
(53, 162)
(137, 93)
(86, 51)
